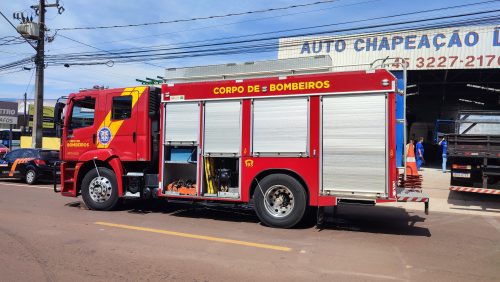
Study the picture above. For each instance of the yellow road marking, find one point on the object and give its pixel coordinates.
(195, 236)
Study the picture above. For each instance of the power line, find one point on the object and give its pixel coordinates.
(203, 18)
(231, 23)
(31, 77)
(149, 48)
(130, 53)
(260, 48)
(88, 45)
(11, 72)
(245, 46)
(12, 40)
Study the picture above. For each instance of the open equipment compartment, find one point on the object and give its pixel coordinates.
(221, 177)
(180, 170)
(180, 148)
(221, 149)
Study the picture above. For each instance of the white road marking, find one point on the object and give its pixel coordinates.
(368, 276)
(26, 185)
(493, 222)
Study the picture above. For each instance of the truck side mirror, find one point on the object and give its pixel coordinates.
(58, 118)
(58, 109)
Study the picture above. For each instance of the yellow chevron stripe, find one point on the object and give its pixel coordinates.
(114, 125)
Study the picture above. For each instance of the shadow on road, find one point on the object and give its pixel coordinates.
(232, 214)
(467, 199)
(379, 219)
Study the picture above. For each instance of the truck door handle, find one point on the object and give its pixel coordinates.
(133, 137)
(93, 138)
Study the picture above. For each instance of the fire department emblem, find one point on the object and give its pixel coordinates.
(104, 135)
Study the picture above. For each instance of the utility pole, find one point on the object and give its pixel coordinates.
(36, 141)
(25, 110)
(40, 66)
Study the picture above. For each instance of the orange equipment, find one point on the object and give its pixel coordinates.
(183, 187)
(411, 165)
(413, 179)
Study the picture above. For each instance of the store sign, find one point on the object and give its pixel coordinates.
(48, 116)
(471, 47)
(8, 113)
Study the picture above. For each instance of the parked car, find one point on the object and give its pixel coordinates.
(29, 164)
(3, 150)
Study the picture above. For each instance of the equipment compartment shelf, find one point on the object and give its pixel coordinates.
(221, 177)
(180, 170)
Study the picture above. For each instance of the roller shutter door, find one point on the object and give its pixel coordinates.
(354, 143)
(280, 125)
(182, 122)
(222, 127)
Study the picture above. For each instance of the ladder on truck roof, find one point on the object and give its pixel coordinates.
(257, 69)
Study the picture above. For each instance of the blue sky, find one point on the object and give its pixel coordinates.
(62, 81)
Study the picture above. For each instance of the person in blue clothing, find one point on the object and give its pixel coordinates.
(419, 152)
(444, 146)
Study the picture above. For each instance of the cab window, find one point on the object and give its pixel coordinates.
(82, 114)
(122, 107)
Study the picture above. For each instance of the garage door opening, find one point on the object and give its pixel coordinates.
(434, 98)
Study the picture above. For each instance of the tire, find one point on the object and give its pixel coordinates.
(100, 191)
(282, 202)
(30, 176)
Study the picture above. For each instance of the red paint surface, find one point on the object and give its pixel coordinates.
(307, 168)
(355, 81)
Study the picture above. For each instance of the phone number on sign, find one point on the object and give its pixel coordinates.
(449, 62)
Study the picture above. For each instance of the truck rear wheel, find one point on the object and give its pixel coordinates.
(100, 190)
(282, 202)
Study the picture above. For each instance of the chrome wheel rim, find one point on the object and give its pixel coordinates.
(100, 189)
(279, 201)
(30, 176)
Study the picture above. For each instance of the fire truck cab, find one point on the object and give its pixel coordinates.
(277, 135)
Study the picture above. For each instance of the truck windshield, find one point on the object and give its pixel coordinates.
(477, 124)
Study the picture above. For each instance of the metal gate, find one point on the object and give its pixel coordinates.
(354, 158)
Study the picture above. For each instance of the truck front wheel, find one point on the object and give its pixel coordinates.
(280, 201)
(100, 190)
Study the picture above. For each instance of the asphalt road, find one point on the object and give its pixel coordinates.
(44, 236)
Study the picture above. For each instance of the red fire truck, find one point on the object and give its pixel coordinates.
(282, 140)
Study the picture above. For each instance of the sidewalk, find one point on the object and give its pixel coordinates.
(436, 185)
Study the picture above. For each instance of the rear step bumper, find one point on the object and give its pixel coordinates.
(475, 190)
(412, 195)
